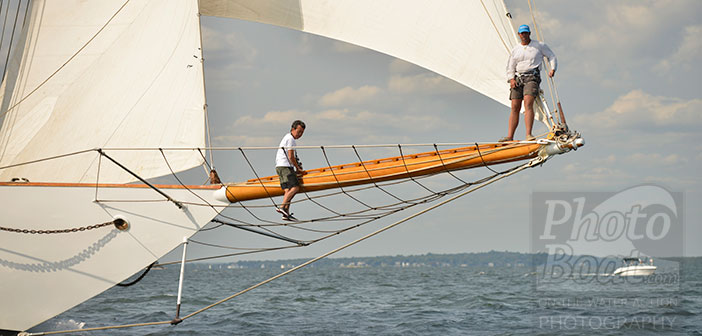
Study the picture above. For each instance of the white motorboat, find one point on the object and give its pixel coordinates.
(635, 267)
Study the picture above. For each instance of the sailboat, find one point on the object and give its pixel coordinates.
(102, 97)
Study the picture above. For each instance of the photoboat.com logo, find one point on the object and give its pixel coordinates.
(602, 255)
(588, 236)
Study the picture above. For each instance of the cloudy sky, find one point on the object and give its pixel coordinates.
(628, 79)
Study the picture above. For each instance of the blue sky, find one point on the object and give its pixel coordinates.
(628, 79)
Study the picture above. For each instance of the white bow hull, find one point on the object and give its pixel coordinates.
(46, 274)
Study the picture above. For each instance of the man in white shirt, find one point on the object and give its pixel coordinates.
(524, 78)
(287, 166)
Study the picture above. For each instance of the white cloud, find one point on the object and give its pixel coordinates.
(423, 83)
(272, 119)
(639, 110)
(349, 96)
(595, 175)
(226, 53)
(654, 159)
(615, 43)
(231, 47)
(242, 140)
(687, 55)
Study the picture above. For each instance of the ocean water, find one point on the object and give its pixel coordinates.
(392, 301)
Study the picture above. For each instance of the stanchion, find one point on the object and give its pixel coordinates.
(177, 318)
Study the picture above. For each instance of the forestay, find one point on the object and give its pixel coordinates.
(137, 83)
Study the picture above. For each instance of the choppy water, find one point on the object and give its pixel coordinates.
(391, 301)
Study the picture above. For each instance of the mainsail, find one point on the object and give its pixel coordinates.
(97, 74)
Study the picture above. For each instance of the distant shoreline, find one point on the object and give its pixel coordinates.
(490, 259)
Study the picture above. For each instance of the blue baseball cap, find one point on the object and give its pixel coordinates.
(524, 29)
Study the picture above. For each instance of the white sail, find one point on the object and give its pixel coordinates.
(136, 83)
(465, 40)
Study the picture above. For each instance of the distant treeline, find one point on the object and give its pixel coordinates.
(495, 259)
(482, 259)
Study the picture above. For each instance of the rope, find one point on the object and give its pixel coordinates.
(12, 38)
(388, 209)
(183, 184)
(267, 234)
(446, 168)
(2, 35)
(139, 278)
(551, 82)
(408, 173)
(371, 177)
(495, 26)
(337, 180)
(481, 159)
(178, 204)
(230, 255)
(204, 92)
(257, 177)
(26, 11)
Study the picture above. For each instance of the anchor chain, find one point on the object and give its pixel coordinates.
(117, 222)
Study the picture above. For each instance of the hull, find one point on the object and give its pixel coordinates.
(386, 169)
(641, 270)
(46, 274)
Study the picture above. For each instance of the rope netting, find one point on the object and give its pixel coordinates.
(322, 214)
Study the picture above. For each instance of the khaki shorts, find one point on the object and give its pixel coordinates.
(527, 85)
(287, 176)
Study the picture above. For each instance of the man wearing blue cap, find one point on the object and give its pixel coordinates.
(524, 77)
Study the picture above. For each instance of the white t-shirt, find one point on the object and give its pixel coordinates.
(526, 57)
(281, 157)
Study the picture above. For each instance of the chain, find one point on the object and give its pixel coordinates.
(84, 228)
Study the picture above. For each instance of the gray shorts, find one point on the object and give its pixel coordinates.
(527, 85)
(287, 176)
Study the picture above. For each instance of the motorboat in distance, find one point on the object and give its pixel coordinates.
(635, 267)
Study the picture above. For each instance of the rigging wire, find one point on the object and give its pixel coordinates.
(204, 90)
(12, 37)
(4, 23)
(371, 177)
(360, 217)
(26, 11)
(339, 183)
(404, 163)
(381, 211)
(495, 26)
(550, 80)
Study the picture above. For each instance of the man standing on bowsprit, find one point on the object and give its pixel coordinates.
(524, 78)
(287, 166)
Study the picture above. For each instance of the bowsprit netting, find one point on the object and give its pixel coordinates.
(347, 203)
(334, 199)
